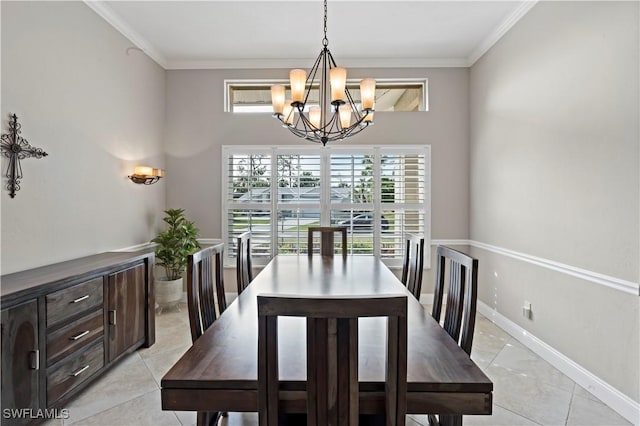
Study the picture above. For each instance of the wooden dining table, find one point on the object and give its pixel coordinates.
(219, 372)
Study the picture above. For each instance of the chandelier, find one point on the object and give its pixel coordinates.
(335, 116)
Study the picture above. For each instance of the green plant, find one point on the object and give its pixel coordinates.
(176, 243)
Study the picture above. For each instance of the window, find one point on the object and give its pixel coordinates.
(378, 193)
(391, 95)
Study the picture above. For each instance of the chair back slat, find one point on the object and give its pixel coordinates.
(332, 355)
(413, 264)
(244, 272)
(455, 294)
(327, 245)
(205, 284)
(462, 293)
(470, 301)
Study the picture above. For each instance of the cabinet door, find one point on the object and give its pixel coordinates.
(20, 359)
(127, 307)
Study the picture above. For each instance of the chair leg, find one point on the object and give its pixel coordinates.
(208, 418)
(450, 420)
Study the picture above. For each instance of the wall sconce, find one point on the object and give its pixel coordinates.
(146, 175)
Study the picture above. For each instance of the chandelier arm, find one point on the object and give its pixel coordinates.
(296, 132)
(352, 103)
(312, 76)
(333, 122)
(306, 124)
(332, 62)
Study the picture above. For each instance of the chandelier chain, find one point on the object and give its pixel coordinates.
(325, 41)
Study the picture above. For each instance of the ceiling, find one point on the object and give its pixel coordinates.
(288, 33)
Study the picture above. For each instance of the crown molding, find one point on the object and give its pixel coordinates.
(499, 31)
(104, 11)
(293, 63)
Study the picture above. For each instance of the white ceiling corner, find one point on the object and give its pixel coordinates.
(404, 33)
(493, 37)
(106, 13)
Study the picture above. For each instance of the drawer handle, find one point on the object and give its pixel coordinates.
(79, 336)
(80, 299)
(35, 360)
(82, 370)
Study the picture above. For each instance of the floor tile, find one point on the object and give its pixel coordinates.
(499, 417)
(516, 358)
(588, 412)
(529, 397)
(413, 422)
(580, 391)
(161, 362)
(141, 411)
(128, 380)
(186, 418)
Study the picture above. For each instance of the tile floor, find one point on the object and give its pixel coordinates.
(527, 390)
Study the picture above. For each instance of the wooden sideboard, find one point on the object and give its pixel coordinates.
(64, 324)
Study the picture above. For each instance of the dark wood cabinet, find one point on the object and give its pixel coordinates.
(127, 304)
(63, 325)
(20, 360)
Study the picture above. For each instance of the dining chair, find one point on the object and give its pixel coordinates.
(413, 263)
(326, 239)
(244, 273)
(205, 281)
(460, 316)
(332, 340)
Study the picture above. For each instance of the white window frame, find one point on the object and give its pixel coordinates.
(325, 207)
(227, 107)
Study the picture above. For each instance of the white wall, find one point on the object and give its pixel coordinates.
(555, 174)
(197, 127)
(97, 110)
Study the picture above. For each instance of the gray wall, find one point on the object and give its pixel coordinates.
(197, 127)
(534, 150)
(554, 174)
(97, 110)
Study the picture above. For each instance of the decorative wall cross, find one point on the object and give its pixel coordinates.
(16, 148)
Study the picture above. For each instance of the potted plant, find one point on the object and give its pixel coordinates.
(173, 246)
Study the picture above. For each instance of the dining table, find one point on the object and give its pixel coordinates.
(219, 371)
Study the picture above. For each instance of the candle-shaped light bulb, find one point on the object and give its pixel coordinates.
(287, 112)
(298, 79)
(314, 116)
(367, 93)
(277, 98)
(345, 115)
(338, 81)
(368, 119)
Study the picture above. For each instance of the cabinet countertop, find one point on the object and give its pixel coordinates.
(30, 283)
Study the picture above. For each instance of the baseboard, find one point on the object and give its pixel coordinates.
(427, 299)
(618, 401)
(229, 295)
(136, 247)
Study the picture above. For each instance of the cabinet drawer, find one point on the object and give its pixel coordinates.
(70, 301)
(70, 374)
(74, 336)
